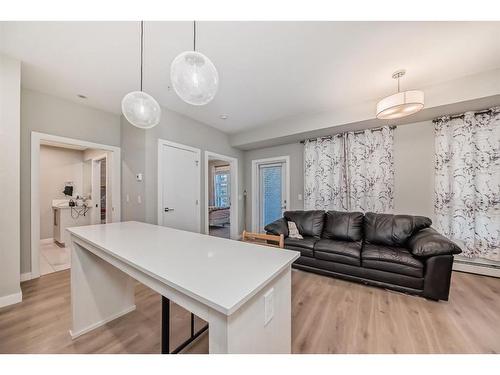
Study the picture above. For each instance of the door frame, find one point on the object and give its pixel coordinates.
(36, 139)
(197, 151)
(255, 185)
(96, 163)
(233, 212)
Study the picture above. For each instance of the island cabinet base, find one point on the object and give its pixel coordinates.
(102, 289)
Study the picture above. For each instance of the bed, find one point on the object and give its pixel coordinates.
(218, 216)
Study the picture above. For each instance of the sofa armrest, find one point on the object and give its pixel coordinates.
(437, 278)
(278, 227)
(428, 242)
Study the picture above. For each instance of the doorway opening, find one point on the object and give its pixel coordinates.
(270, 190)
(66, 176)
(221, 195)
(101, 189)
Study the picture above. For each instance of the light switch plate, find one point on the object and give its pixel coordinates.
(268, 306)
(299, 197)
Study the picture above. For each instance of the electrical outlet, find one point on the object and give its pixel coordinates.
(138, 177)
(299, 197)
(268, 306)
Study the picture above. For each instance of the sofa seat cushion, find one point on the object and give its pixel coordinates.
(346, 252)
(366, 275)
(305, 246)
(391, 259)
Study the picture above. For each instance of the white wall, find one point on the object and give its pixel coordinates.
(181, 129)
(57, 166)
(133, 143)
(413, 164)
(414, 169)
(140, 154)
(10, 91)
(48, 114)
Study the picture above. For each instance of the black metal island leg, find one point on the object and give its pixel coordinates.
(165, 329)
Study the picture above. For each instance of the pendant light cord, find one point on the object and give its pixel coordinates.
(194, 35)
(142, 48)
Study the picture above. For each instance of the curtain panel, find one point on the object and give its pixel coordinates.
(324, 174)
(467, 182)
(350, 171)
(370, 170)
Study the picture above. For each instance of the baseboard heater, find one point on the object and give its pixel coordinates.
(477, 267)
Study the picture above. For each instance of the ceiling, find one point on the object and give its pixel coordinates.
(268, 70)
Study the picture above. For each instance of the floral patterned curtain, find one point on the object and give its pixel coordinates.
(370, 166)
(351, 171)
(467, 179)
(324, 174)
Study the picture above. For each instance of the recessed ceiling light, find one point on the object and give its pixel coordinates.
(224, 117)
(81, 96)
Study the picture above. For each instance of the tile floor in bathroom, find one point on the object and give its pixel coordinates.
(53, 257)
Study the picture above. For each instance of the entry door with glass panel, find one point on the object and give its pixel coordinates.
(272, 192)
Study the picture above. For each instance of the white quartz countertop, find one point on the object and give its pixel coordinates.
(219, 272)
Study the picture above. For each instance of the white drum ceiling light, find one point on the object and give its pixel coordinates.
(194, 77)
(138, 107)
(400, 104)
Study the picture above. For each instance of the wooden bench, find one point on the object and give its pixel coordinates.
(264, 239)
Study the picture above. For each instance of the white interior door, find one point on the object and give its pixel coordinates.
(180, 186)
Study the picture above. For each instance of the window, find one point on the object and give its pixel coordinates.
(222, 186)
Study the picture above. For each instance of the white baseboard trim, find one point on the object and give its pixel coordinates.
(26, 276)
(11, 299)
(74, 335)
(477, 269)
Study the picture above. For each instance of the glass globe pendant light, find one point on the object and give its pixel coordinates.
(194, 77)
(401, 104)
(138, 107)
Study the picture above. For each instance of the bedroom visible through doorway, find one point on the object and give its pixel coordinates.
(221, 193)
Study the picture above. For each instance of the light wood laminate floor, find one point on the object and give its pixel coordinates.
(329, 316)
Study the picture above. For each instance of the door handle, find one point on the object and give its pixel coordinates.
(167, 209)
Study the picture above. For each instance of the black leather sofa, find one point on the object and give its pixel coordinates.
(399, 252)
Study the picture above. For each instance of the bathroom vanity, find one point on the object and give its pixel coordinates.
(65, 216)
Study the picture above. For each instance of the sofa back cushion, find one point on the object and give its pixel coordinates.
(392, 230)
(309, 223)
(343, 226)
